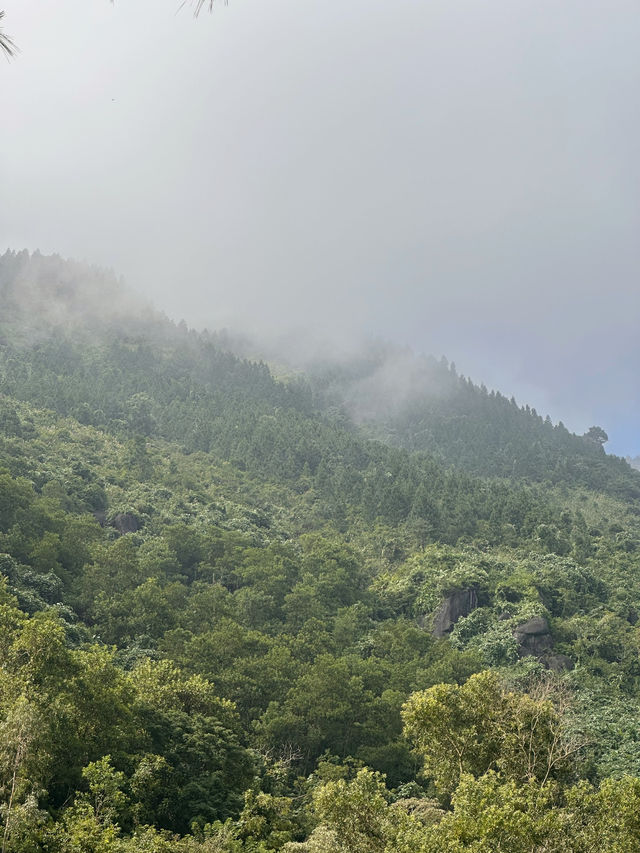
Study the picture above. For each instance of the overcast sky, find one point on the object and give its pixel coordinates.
(456, 175)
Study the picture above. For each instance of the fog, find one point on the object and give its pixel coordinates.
(457, 177)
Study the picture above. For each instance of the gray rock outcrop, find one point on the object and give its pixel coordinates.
(559, 663)
(534, 637)
(456, 604)
(126, 522)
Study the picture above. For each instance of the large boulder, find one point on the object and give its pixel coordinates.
(534, 637)
(559, 663)
(126, 522)
(458, 603)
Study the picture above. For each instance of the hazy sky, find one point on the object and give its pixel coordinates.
(456, 175)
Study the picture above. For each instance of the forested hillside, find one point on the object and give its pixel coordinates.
(335, 613)
(423, 404)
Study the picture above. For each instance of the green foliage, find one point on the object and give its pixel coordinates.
(217, 593)
(482, 726)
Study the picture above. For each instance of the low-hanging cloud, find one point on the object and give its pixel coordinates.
(458, 177)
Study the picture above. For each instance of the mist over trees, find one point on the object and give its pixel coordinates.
(294, 586)
(369, 607)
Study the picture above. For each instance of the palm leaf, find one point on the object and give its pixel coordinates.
(199, 5)
(6, 44)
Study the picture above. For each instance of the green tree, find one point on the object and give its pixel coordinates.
(482, 725)
(357, 812)
(596, 435)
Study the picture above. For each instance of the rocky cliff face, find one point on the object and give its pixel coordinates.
(126, 522)
(534, 638)
(457, 604)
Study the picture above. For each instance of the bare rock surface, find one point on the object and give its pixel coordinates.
(457, 604)
(534, 637)
(126, 522)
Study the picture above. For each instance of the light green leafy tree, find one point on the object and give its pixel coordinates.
(482, 725)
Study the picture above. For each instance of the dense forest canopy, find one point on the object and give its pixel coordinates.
(369, 607)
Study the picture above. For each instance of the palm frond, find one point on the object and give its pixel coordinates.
(199, 4)
(7, 45)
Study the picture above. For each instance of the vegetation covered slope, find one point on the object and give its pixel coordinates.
(231, 621)
(422, 404)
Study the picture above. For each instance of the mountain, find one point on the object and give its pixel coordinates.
(422, 404)
(231, 601)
